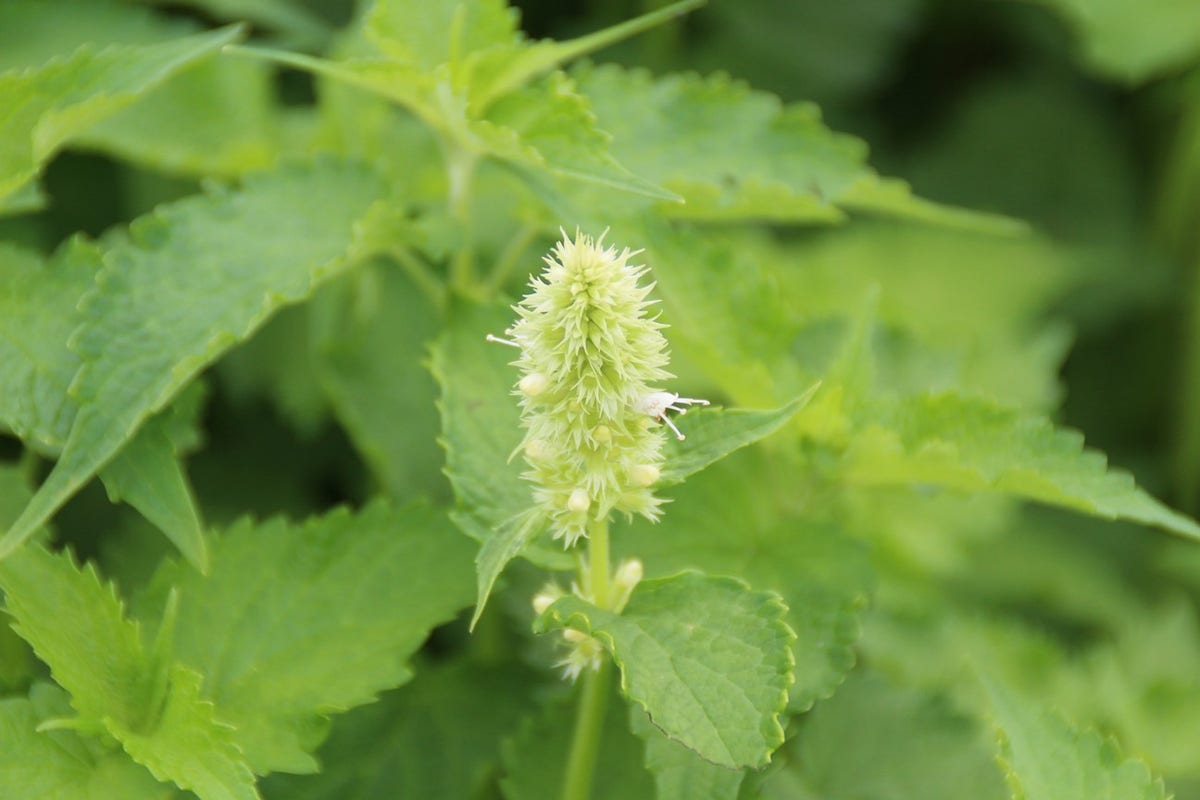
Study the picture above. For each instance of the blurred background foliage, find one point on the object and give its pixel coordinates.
(1081, 117)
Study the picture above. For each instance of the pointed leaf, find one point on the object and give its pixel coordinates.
(506, 542)
(204, 273)
(973, 445)
(271, 625)
(189, 746)
(51, 104)
(1045, 759)
(706, 657)
(788, 167)
(713, 433)
(76, 624)
(38, 313)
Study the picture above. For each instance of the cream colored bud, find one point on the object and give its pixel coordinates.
(602, 434)
(645, 474)
(537, 449)
(629, 573)
(533, 384)
(579, 500)
(573, 636)
(542, 601)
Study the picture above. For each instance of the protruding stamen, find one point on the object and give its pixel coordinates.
(498, 340)
(667, 421)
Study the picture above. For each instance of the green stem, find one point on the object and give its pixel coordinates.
(508, 259)
(589, 725)
(598, 566)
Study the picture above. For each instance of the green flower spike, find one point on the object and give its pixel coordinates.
(590, 352)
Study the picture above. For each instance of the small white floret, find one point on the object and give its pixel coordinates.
(579, 500)
(657, 404)
(533, 384)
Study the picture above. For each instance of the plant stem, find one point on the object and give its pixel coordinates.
(598, 567)
(585, 743)
(593, 699)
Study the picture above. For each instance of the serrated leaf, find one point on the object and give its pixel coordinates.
(271, 625)
(972, 445)
(788, 167)
(680, 774)
(506, 541)
(38, 313)
(724, 521)
(189, 746)
(713, 433)
(549, 126)
(708, 659)
(51, 104)
(427, 739)
(77, 625)
(56, 764)
(1045, 759)
(203, 273)
(536, 755)
(427, 34)
(1134, 43)
(873, 739)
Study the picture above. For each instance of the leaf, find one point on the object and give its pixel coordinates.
(56, 764)
(270, 627)
(787, 166)
(706, 657)
(1045, 759)
(973, 445)
(371, 337)
(512, 538)
(549, 126)
(728, 521)
(536, 755)
(38, 313)
(189, 746)
(1134, 44)
(427, 739)
(54, 103)
(680, 774)
(203, 274)
(714, 433)
(873, 739)
(76, 624)
(427, 35)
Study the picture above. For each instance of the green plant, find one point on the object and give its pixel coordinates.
(345, 543)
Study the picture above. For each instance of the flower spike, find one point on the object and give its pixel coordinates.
(590, 349)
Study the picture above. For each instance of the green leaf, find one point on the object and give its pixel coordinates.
(371, 337)
(973, 445)
(189, 746)
(505, 542)
(727, 521)
(1045, 759)
(708, 659)
(428, 739)
(38, 314)
(76, 624)
(270, 627)
(1134, 43)
(57, 764)
(680, 774)
(787, 166)
(429, 34)
(714, 433)
(204, 273)
(56, 102)
(875, 740)
(548, 126)
(536, 755)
